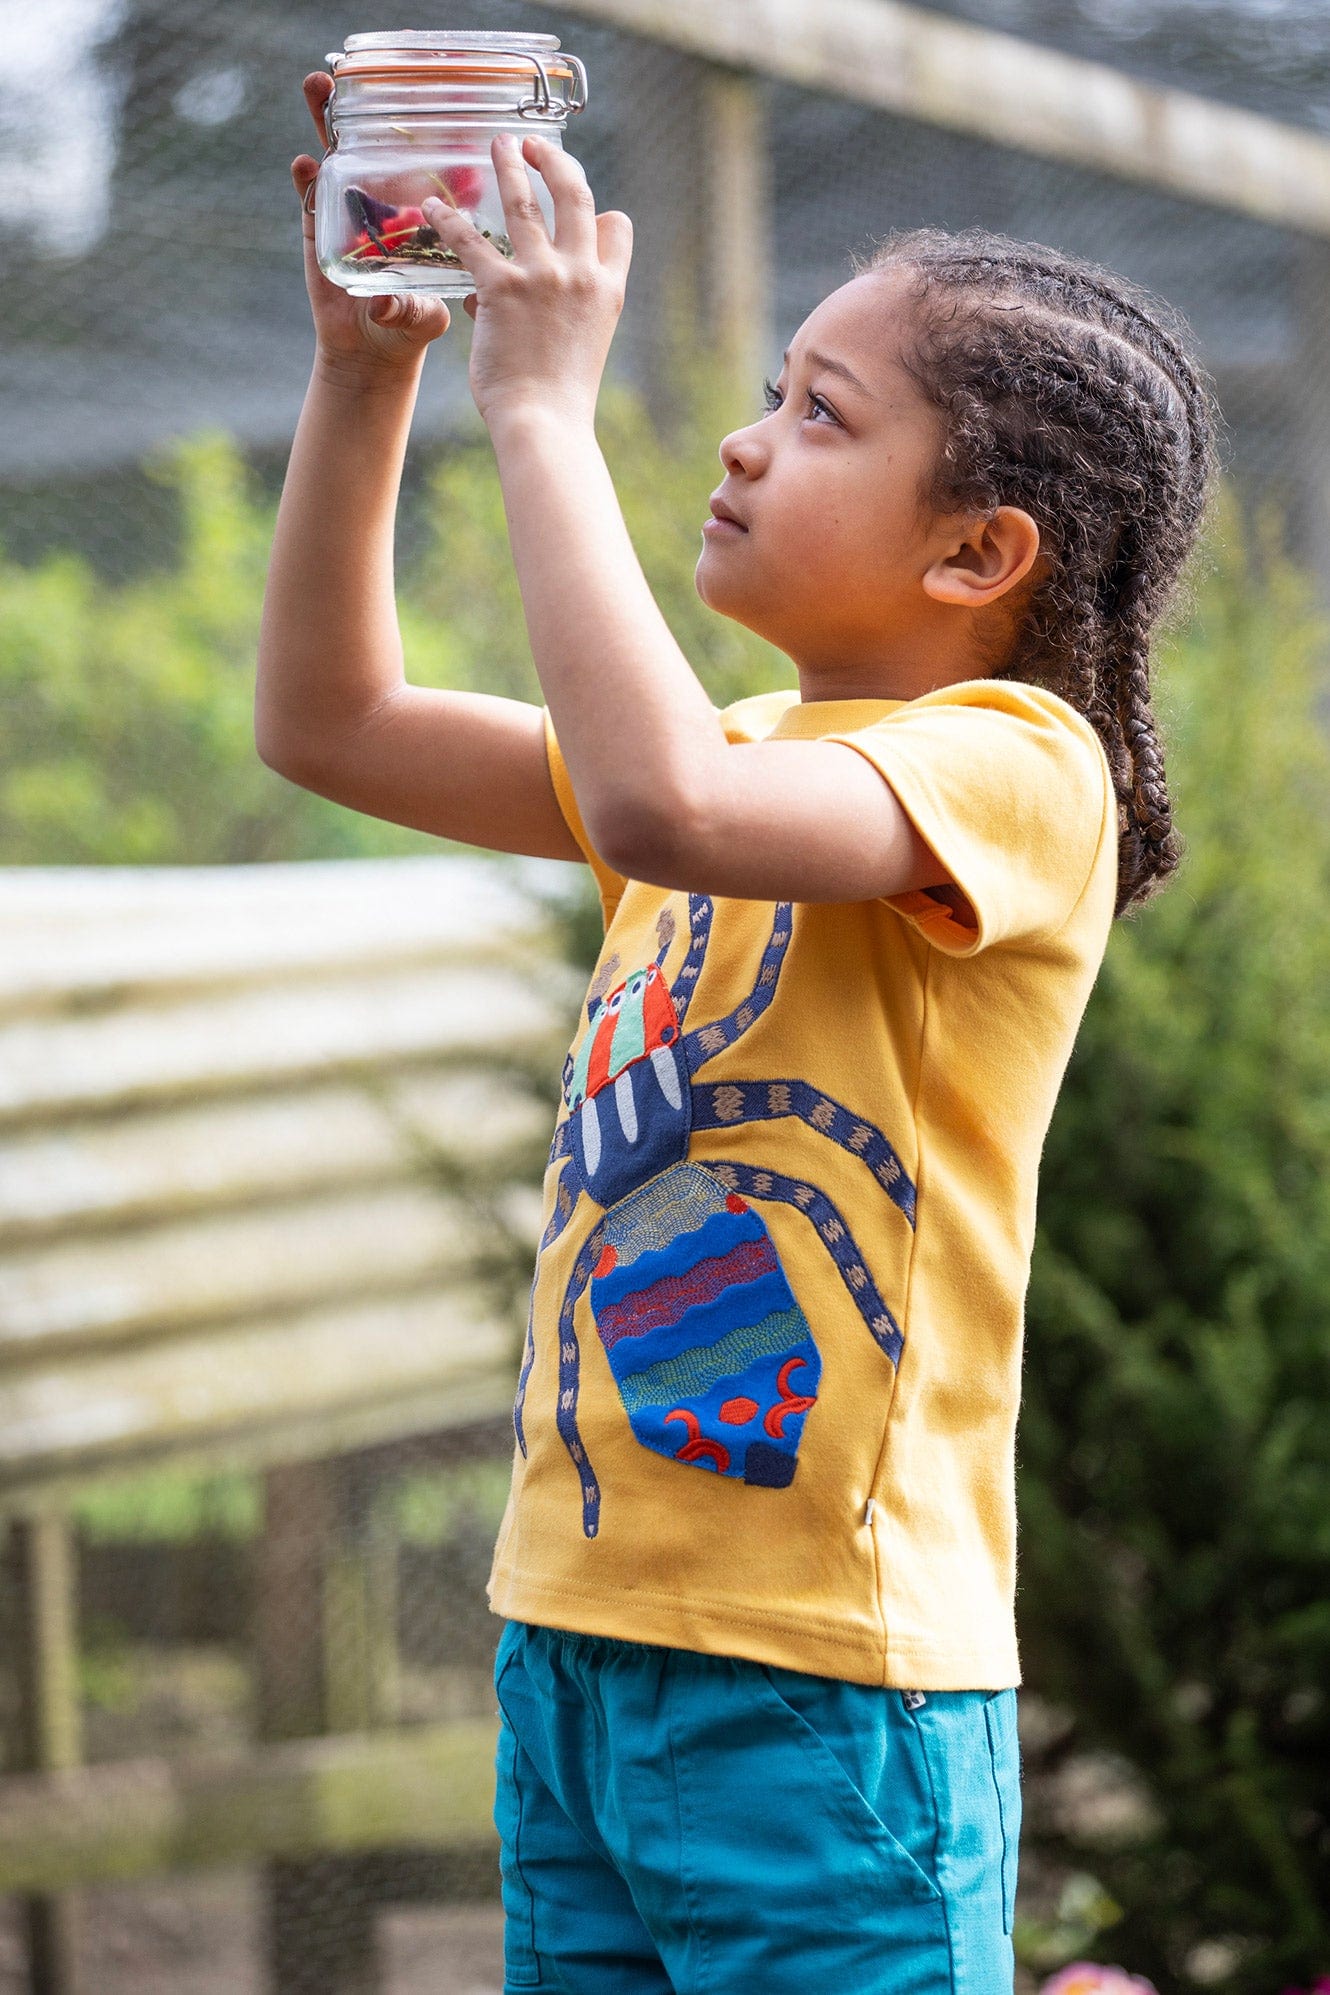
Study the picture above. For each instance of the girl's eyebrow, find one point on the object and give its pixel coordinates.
(831, 366)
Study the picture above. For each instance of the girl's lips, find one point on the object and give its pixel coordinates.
(722, 510)
(718, 527)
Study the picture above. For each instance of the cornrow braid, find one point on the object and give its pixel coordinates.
(1071, 393)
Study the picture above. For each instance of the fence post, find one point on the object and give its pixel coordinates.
(695, 177)
(313, 1668)
(738, 229)
(49, 1728)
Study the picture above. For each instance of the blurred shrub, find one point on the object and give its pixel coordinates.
(1175, 1437)
(126, 734)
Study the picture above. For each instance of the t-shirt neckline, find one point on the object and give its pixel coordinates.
(806, 720)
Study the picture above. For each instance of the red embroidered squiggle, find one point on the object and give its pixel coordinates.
(697, 1448)
(790, 1402)
(666, 1300)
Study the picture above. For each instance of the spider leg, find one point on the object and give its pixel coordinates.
(835, 1235)
(708, 1040)
(569, 1366)
(571, 1185)
(528, 1359)
(701, 908)
(722, 1105)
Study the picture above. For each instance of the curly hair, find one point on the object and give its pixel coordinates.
(1071, 393)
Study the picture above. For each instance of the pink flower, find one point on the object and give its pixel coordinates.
(1084, 1977)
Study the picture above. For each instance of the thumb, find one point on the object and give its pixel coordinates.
(410, 313)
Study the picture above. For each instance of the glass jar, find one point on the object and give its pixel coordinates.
(412, 114)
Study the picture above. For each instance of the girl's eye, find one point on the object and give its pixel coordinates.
(773, 398)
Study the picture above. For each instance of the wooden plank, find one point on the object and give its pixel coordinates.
(159, 1164)
(86, 1294)
(429, 1787)
(247, 1038)
(112, 932)
(282, 1389)
(1012, 92)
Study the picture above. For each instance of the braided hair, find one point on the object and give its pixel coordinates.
(1068, 392)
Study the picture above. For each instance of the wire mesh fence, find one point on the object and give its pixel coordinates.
(150, 287)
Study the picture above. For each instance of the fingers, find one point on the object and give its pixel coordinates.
(521, 210)
(318, 88)
(614, 242)
(457, 232)
(574, 204)
(304, 173)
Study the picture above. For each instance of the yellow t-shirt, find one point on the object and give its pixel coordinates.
(768, 1402)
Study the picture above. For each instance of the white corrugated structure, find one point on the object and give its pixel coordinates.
(260, 1129)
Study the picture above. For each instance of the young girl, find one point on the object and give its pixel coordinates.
(757, 1566)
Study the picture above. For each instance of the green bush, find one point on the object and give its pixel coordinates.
(127, 731)
(1175, 1436)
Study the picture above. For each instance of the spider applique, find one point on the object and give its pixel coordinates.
(712, 1355)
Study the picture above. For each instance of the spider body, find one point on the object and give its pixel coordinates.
(713, 1357)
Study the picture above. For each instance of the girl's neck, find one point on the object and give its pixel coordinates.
(943, 650)
(903, 681)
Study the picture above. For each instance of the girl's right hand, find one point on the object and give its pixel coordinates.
(373, 333)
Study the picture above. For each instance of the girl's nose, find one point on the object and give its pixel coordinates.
(742, 450)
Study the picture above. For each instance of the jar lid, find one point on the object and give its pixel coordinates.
(445, 38)
(477, 56)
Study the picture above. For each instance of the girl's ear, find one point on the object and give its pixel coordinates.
(987, 561)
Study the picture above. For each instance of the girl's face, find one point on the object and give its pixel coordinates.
(827, 486)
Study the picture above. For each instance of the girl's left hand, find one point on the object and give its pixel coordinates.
(544, 317)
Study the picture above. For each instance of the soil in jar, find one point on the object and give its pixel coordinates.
(386, 233)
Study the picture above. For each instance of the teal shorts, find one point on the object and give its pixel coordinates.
(682, 1824)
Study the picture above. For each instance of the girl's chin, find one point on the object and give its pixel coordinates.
(713, 591)
(736, 604)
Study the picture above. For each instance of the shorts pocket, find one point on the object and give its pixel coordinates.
(521, 1966)
(1005, 1756)
(797, 1699)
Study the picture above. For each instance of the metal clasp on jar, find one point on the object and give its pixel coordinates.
(542, 105)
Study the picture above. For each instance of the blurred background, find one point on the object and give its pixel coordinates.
(276, 1083)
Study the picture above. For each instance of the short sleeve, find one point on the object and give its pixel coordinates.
(610, 884)
(1010, 788)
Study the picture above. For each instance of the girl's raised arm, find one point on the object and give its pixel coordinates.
(333, 711)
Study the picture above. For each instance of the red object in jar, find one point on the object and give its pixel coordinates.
(466, 184)
(402, 223)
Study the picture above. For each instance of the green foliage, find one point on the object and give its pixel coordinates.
(127, 732)
(1175, 1439)
(663, 486)
(163, 1505)
(127, 709)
